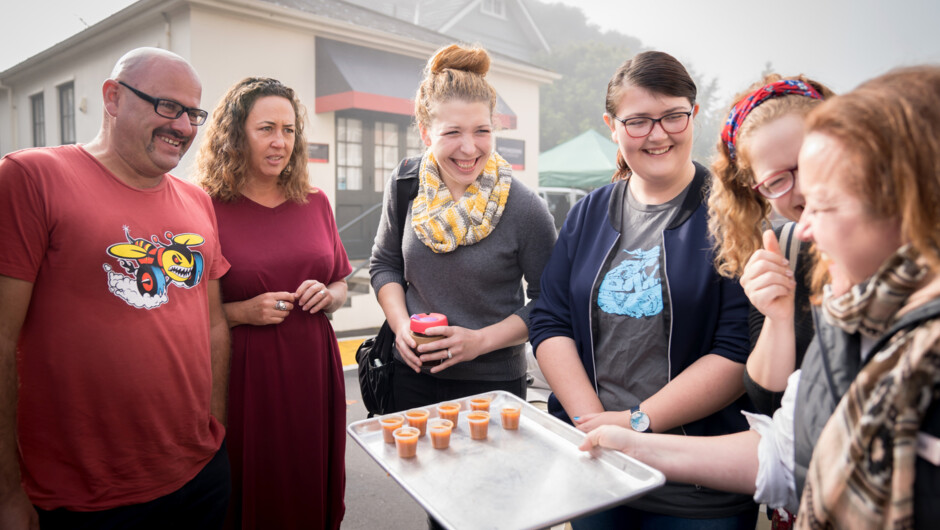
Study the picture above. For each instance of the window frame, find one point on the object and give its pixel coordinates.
(67, 113)
(494, 8)
(38, 118)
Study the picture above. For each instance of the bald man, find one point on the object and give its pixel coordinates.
(113, 345)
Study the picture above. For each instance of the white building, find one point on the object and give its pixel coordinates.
(354, 68)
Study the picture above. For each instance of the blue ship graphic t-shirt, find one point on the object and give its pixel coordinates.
(633, 308)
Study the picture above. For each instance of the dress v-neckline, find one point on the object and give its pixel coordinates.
(277, 207)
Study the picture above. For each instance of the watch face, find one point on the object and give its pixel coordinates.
(639, 421)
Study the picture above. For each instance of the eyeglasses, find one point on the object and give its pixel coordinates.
(672, 123)
(778, 184)
(170, 109)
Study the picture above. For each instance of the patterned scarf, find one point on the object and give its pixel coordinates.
(442, 224)
(862, 471)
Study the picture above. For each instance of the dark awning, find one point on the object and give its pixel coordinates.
(354, 77)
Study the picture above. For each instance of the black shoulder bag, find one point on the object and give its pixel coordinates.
(374, 355)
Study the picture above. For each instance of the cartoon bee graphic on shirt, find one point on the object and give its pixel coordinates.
(154, 263)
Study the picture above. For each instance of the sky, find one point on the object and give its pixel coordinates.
(839, 42)
(28, 27)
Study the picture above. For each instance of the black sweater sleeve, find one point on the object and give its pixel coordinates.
(766, 401)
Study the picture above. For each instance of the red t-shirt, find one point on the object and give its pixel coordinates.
(114, 355)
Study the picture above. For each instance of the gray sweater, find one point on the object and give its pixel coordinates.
(476, 285)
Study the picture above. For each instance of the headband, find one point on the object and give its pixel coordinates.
(744, 107)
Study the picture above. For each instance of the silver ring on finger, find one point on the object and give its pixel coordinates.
(449, 355)
(322, 291)
(281, 305)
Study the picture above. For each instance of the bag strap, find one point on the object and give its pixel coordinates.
(407, 191)
(790, 244)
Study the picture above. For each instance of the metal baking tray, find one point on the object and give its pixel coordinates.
(535, 477)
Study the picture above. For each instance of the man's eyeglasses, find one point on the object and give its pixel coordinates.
(170, 109)
(778, 184)
(672, 123)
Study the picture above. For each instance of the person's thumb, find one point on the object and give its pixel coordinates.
(770, 242)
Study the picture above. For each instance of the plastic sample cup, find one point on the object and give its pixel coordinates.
(479, 423)
(439, 430)
(449, 411)
(423, 321)
(418, 418)
(510, 416)
(406, 440)
(389, 424)
(480, 404)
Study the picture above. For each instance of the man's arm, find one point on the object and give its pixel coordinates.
(16, 511)
(221, 352)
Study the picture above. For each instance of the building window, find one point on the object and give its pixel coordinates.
(496, 8)
(67, 113)
(39, 120)
(348, 154)
(386, 152)
(387, 149)
(414, 144)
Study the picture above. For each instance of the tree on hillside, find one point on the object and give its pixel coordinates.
(561, 24)
(710, 119)
(587, 57)
(575, 103)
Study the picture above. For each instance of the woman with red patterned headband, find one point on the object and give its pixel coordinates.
(755, 175)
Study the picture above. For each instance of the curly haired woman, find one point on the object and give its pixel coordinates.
(754, 174)
(287, 408)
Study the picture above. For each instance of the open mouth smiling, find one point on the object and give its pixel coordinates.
(658, 151)
(465, 165)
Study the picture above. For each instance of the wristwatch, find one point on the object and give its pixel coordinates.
(639, 421)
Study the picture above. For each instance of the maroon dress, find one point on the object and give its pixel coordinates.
(287, 406)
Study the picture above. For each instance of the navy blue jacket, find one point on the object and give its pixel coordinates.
(708, 313)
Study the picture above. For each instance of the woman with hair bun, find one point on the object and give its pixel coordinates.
(634, 326)
(472, 234)
(754, 174)
(287, 406)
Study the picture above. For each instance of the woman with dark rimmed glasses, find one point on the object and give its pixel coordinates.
(756, 174)
(634, 326)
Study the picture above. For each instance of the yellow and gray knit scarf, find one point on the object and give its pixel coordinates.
(443, 224)
(862, 471)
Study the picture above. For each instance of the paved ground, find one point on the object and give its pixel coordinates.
(374, 501)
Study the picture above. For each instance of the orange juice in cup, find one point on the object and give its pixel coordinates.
(389, 424)
(406, 440)
(510, 416)
(418, 418)
(480, 404)
(439, 431)
(479, 423)
(449, 411)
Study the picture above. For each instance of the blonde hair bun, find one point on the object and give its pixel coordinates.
(456, 57)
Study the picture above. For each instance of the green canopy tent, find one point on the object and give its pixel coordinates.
(587, 161)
